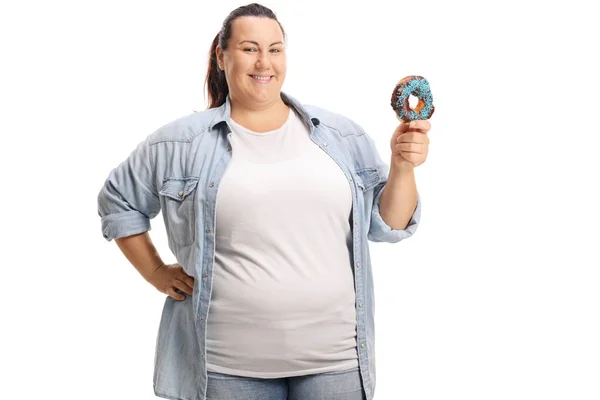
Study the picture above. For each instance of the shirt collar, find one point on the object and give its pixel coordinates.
(224, 112)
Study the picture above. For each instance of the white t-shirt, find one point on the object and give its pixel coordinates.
(283, 300)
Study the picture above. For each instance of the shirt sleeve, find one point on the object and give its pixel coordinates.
(129, 198)
(379, 231)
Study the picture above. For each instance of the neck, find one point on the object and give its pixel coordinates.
(260, 117)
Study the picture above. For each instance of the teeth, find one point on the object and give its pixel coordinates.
(262, 78)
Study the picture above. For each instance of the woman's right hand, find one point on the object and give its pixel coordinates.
(169, 277)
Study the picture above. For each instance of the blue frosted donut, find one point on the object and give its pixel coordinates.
(418, 87)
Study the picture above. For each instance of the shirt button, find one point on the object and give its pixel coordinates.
(201, 318)
(357, 265)
(211, 185)
(180, 194)
(228, 148)
(204, 275)
(360, 305)
(355, 222)
(325, 144)
(207, 229)
(362, 345)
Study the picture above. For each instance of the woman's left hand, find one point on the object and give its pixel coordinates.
(410, 144)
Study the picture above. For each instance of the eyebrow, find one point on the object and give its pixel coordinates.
(256, 43)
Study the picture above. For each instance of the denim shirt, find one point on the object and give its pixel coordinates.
(177, 170)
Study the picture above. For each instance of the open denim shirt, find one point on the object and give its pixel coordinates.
(177, 169)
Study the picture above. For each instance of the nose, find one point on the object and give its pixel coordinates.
(262, 60)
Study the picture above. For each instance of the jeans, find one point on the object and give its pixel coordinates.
(338, 385)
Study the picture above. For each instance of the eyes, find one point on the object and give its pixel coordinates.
(253, 49)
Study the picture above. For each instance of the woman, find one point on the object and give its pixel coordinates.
(283, 261)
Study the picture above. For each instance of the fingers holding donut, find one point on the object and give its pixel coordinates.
(410, 149)
(410, 143)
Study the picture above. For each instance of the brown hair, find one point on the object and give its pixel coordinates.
(215, 82)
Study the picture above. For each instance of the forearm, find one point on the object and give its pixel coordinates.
(141, 253)
(399, 197)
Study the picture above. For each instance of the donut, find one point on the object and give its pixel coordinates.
(418, 87)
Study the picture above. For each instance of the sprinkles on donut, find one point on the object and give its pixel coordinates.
(418, 87)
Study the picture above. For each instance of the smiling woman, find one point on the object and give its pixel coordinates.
(248, 63)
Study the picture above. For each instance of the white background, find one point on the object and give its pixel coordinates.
(495, 297)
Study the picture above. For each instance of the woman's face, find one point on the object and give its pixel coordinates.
(254, 62)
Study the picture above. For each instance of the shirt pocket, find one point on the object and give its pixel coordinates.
(367, 178)
(179, 207)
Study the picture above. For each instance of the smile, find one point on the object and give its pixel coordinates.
(262, 79)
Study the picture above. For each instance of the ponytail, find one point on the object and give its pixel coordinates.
(215, 78)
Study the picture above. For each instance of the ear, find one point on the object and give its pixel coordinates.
(219, 52)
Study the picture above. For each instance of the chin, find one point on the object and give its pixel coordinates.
(266, 96)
